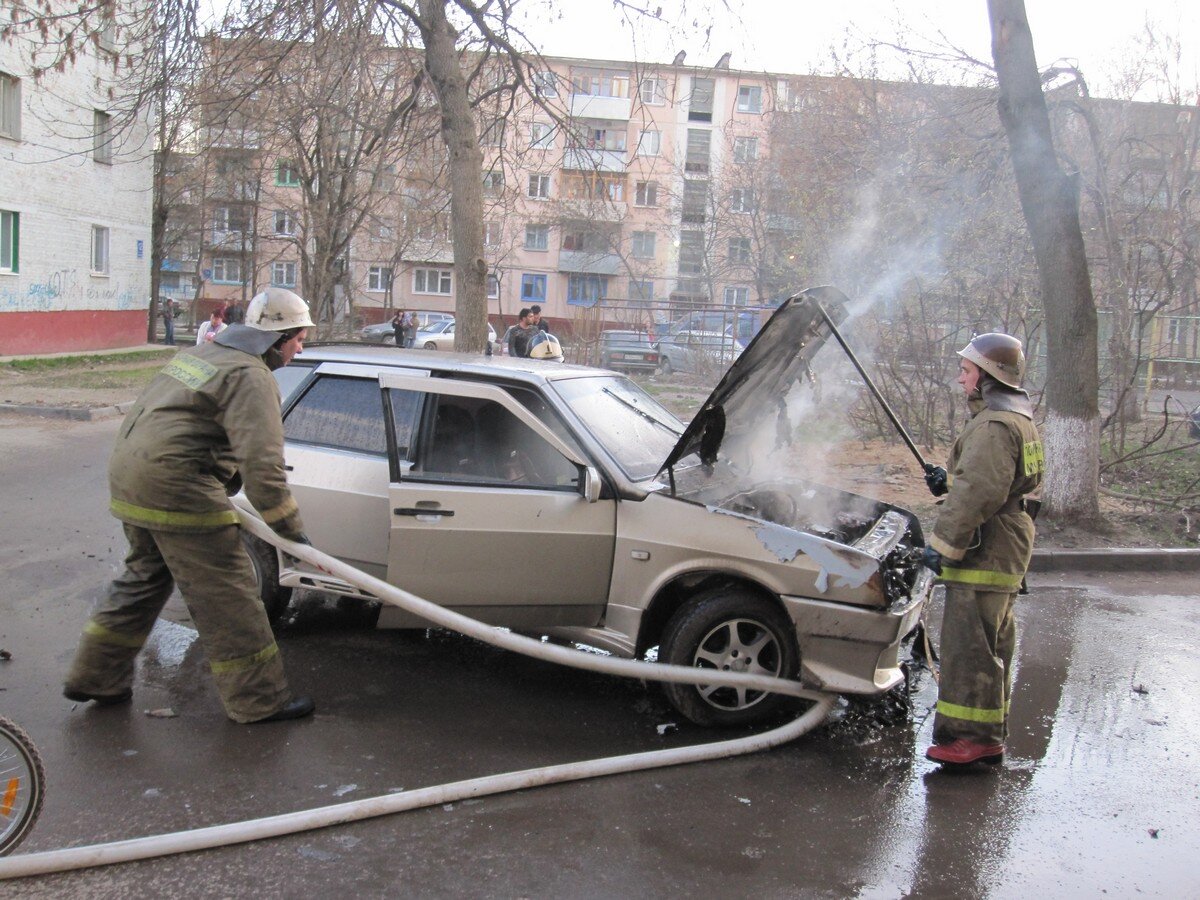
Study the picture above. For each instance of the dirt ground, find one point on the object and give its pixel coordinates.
(877, 468)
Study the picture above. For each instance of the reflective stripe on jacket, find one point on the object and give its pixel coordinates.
(982, 529)
(208, 423)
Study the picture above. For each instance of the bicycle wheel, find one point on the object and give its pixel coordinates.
(22, 785)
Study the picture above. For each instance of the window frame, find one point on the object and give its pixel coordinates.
(102, 140)
(638, 241)
(745, 149)
(733, 292)
(284, 282)
(740, 251)
(444, 277)
(741, 200)
(224, 264)
(533, 286)
(289, 223)
(753, 102)
(541, 136)
(10, 106)
(656, 95)
(283, 169)
(538, 186)
(379, 278)
(656, 149)
(101, 256)
(645, 194)
(10, 243)
(543, 231)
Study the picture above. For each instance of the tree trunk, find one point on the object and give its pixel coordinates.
(1050, 202)
(466, 176)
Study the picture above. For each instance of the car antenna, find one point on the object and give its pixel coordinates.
(874, 390)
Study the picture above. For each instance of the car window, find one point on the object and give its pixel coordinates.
(476, 441)
(346, 413)
(289, 378)
(405, 407)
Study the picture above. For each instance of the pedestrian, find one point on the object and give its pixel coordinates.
(167, 310)
(536, 313)
(235, 314)
(518, 340)
(398, 327)
(411, 327)
(980, 546)
(210, 329)
(207, 425)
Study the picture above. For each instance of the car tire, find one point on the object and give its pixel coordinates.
(265, 560)
(731, 630)
(667, 368)
(430, 345)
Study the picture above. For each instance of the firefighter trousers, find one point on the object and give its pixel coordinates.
(216, 579)
(979, 637)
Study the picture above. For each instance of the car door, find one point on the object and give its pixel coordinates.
(494, 511)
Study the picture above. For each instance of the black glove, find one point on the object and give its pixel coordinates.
(931, 559)
(935, 477)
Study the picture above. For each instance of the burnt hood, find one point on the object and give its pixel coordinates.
(753, 390)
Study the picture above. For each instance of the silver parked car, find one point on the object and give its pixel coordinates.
(384, 333)
(717, 544)
(698, 351)
(440, 336)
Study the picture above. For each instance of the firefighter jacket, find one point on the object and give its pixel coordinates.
(208, 423)
(982, 531)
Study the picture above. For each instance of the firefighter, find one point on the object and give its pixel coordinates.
(981, 545)
(207, 424)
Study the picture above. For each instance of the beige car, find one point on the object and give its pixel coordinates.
(714, 544)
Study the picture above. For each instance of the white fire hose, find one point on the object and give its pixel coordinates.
(290, 823)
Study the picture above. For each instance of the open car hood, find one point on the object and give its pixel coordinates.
(756, 385)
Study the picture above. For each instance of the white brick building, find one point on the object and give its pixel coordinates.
(75, 199)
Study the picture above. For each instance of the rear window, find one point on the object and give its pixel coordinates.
(339, 412)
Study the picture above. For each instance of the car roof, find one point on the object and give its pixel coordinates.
(534, 371)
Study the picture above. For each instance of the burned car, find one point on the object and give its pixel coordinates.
(565, 501)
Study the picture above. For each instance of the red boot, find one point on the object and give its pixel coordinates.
(961, 752)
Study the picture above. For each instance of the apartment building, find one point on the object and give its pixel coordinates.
(75, 196)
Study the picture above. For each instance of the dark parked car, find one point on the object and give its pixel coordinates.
(627, 351)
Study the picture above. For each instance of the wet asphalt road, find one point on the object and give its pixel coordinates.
(1099, 794)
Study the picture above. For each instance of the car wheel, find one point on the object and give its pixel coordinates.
(729, 630)
(430, 345)
(265, 560)
(667, 368)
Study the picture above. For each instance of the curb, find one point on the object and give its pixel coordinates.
(77, 414)
(1116, 559)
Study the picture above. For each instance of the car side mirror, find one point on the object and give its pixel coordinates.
(591, 484)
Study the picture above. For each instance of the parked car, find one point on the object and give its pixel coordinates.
(746, 320)
(440, 336)
(644, 533)
(627, 351)
(698, 352)
(383, 333)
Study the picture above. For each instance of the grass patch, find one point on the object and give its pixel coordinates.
(98, 379)
(89, 360)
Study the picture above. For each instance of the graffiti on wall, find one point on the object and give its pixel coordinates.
(62, 290)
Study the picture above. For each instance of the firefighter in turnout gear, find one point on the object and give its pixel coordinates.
(208, 424)
(981, 545)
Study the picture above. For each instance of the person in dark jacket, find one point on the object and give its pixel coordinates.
(981, 546)
(518, 341)
(207, 425)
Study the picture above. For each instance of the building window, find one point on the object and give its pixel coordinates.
(283, 274)
(10, 240)
(594, 186)
(699, 151)
(99, 250)
(491, 234)
(432, 281)
(742, 200)
(749, 99)
(537, 237)
(691, 253)
(737, 296)
(641, 290)
(533, 287)
(492, 134)
(101, 137)
(745, 149)
(493, 183)
(586, 290)
(379, 278)
(545, 84)
(10, 106)
(700, 104)
(286, 174)
(285, 225)
(652, 91)
(601, 84)
(539, 187)
(493, 287)
(649, 143)
(642, 244)
(694, 208)
(541, 136)
(646, 193)
(600, 138)
(226, 270)
(739, 250)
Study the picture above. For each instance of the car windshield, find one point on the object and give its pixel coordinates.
(632, 426)
(438, 327)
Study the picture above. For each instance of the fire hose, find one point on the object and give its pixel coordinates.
(153, 846)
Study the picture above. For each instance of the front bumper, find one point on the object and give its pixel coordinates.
(851, 649)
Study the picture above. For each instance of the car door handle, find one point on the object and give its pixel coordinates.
(288, 468)
(421, 511)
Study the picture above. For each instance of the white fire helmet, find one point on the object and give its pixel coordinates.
(544, 345)
(278, 309)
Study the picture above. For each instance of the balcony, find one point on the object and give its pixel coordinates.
(594, 160)
(590, 263)
(595, 210)
(592, 106)
(227, 240)
(230, 138)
